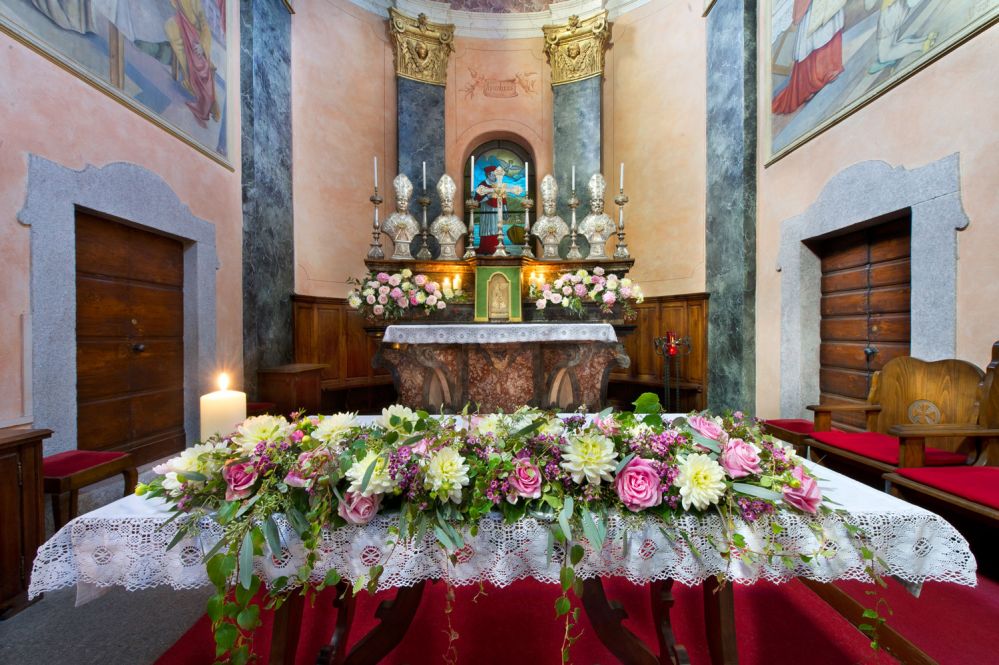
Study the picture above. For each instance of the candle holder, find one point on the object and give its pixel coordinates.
(500, 248)
(573, 252)
(376, 251)
(621, 251)
(472, 206)
(424, 253)
(527, 203)
(672, 349)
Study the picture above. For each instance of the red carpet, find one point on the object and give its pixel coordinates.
(776, 624)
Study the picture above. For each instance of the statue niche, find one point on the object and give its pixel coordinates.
(498, 298)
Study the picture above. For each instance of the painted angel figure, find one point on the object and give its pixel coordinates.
(400, 225)
(550, 228)
(597, 226)
(448, 227)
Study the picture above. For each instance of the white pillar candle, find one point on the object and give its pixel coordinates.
(424, 175)
(621, 181)
(527, 178)
(222, 410)
(376, 171)
(457, 282)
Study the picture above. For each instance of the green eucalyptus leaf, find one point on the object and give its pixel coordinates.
(272, 535)
(623, 463)
(246, 561)
(756, 491)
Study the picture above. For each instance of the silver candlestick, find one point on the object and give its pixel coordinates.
(573, 252)
(424, 253)
(621, 251)
(471, 204)
(500, 249)
(376, 252)
(527, 203)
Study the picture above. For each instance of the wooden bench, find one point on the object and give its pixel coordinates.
(68, 472)
(793, 430)
(906, 391)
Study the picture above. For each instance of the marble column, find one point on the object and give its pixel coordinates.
(577, 137)
(731, 205)
(420, 139)
(268, 219)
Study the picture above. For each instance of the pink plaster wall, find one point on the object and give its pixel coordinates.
(655, 122)
(949, 107)
(343, 106)
(46, 111)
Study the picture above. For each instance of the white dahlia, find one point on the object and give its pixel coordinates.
(590, 456)
(332, 428)
(380, 481)
(701, 481)
(404, 413)
(260, 428)
(447, 473)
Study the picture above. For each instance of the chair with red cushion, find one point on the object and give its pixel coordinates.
(793, 430)
(68, 472)
(906, 391)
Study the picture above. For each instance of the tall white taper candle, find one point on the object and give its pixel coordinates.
(527, 178)
(622, 177)
(376, 171)
(424, 175)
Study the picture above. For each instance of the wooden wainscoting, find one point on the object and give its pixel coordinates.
(327, 331)
(686, 315)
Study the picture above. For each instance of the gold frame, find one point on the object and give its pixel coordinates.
(942, 49)
(43, 49)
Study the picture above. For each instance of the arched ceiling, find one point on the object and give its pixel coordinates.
(500, 6)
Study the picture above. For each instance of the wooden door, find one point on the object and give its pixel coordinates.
(129, 339)
(865, 311)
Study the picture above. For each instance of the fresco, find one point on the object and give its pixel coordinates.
(828, 57)
(168, 57)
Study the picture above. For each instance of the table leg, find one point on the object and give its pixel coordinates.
(661, 595)
(287, 630)
(394, 617)
(606, 617)
(719, 622)
(336, 651)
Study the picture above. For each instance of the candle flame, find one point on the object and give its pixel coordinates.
(223, 381)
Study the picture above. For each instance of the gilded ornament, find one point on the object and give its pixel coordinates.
(597, 226)
(550, 228)
(421, 47)
(448, 227)
(576, 50)
(401, 226)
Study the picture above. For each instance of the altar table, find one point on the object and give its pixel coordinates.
(563, 365)
(124, 544)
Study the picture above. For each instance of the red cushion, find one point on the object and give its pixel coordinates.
(974, 483)
(796, 425)
(65, 464)
(882, 447)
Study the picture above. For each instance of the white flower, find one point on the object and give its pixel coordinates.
(590, 456)
(701, 481)
(421, 298)
(380, 481)
(354, 301)
(332, 428)
(552, 427)
(407, 273)
(447, 473)
(540, 304)
(491, 424)
(626, 281)
(260, 428)
(404, 413)
(171, 484)
(598, 271)
(431, 300)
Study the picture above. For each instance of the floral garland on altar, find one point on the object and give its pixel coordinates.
(572, 289)
(384, 296)
(442, 475)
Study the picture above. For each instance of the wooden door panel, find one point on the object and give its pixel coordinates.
(888, 351)
(102, 247)
(890, 328)
(848, 355)
(844, 304)
(102, 308)
(844, 382)
(852, 279)
(849, 329)
(894, 272)
(155, 311)
(890, 299)
(156, 412)
(157, 260)
(102, 368)
(158, 366)
(103, 424)
(842, 253)
(888, 245)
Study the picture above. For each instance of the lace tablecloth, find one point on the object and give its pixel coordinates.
(500, 333)
(124, 544)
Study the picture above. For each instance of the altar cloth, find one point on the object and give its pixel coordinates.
(500, 333)
(125, 544)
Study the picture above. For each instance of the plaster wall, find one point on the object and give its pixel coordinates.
(947, 108)
(46, 111)
(343, 114)
(655, 113)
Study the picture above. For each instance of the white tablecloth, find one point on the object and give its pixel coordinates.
(124, 544)
(500, 333)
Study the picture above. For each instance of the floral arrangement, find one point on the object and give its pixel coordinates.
(384, 296)
(440, 475)
(572, 289)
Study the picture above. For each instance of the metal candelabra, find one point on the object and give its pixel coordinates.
(573, 252)
(500, 245)
(376, 252)
(672, 349)
(424, 253)
(527, 203)
(621, 251)
(472, 205)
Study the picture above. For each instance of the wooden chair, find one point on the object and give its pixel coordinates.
(906, 391)
(971, 490)
(68, 472)
(793, 430)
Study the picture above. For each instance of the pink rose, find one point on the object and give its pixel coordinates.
(598, 271)
(638, 485)
(239, 478)
(441, 304)
(580, 290)
(706, 426)
(358, 509)
(395, 293)
(370, 299)
(378, 310)
(546, 287)
(807, 496)
(382, 277)
(525, 480)
(295, 479)
(541, 303)
(383, 290)
(413, 300)
(610, 298)
(402, 302)
(421, 447)
(740, 458)
(383, 300)
(625, 292)
(420, 280)
(395, 280)
(607, 426)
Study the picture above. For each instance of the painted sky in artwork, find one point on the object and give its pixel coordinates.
(169, 57)
(828, 56)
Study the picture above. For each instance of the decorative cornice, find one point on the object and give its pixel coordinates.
(421, 47)
(576, 50)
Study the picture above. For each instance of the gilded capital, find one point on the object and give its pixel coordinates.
(576, 50)
(421, 47)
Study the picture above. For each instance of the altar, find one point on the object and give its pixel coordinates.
(497, 367)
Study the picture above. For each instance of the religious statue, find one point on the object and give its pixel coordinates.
(497, 298)
(493, 192)
(550, 228)
(401, 226)
(447, 228)
(597, 227)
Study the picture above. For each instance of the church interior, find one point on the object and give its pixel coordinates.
(470, 331)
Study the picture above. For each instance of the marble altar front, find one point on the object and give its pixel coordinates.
(496, 367)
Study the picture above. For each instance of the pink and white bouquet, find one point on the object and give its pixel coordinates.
(381, 295)
(572, 290)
